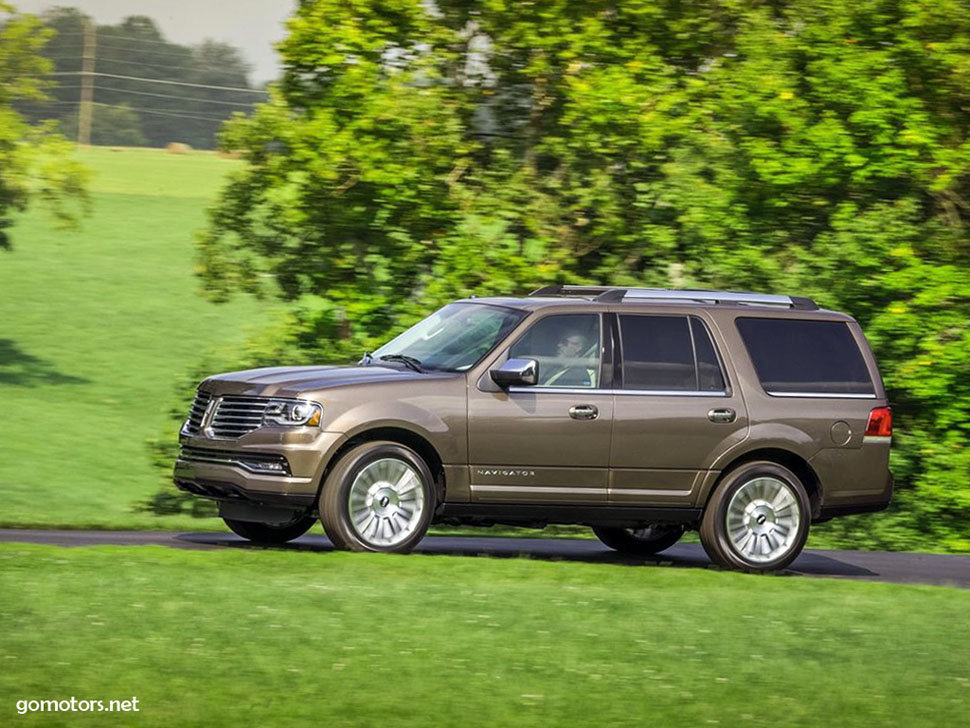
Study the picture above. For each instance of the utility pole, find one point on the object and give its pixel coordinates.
(87, 85)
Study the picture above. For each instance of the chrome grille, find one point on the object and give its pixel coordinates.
(196, 411)
(236, 415)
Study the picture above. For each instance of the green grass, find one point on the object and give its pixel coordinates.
(97, 324)
(281, 638)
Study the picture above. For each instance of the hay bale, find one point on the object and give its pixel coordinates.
(177, 148)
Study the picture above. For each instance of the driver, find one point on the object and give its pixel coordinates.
(569, 371)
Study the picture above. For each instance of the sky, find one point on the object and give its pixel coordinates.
(253, 26)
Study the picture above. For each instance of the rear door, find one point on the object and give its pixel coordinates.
(675, 409)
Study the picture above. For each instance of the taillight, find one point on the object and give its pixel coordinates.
(880, 422)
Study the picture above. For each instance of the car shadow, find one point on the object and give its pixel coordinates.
(689, 556)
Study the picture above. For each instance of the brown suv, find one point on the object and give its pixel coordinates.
(638, 412)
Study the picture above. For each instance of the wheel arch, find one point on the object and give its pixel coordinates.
(791, 460)
(400, 435)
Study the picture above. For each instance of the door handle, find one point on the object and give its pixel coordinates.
(722, 415)
(583, 412)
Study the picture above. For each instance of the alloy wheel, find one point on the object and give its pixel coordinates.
(386, 502)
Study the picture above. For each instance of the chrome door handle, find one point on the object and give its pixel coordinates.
(583, 412)
(722, 415)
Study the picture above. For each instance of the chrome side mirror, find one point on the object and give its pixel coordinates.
(516, 372)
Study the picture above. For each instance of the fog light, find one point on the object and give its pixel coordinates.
(269, 467)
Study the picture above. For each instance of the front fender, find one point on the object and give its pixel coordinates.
(447, 440)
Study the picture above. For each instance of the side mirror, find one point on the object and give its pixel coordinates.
(516, 372)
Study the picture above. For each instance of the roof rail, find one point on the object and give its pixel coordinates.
(558, 289)
(610, 294)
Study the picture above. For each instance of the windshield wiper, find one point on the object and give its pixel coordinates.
(409, 361)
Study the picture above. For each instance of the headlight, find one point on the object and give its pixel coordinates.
(292, 413)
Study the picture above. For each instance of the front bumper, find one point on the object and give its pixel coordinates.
(226, 469)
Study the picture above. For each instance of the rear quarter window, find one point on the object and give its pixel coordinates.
(803, 356)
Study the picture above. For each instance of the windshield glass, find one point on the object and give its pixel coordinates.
(455, 337)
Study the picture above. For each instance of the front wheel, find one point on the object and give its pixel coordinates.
(271, 532)
(646, 541)
(757, 519)
(379, 497)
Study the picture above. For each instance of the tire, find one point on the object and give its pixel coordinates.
(646, 541)
(375, 488)
(271, 532)
(758, 518)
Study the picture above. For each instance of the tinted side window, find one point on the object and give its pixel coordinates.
(657, 353)
(567, 348)
(710, 378)
(805, 356)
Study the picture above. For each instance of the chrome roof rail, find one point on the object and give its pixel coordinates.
(612, 294)
(558, 289)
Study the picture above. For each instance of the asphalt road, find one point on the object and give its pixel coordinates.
(900, 568)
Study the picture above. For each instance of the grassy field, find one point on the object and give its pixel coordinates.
(249, 637)
(95, 326)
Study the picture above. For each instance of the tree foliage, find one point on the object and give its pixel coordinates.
(414, 152)
(34, 162)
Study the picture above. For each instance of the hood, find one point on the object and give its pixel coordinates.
(292, 381)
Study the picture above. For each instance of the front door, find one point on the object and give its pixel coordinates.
(550, 442)
(675, 410)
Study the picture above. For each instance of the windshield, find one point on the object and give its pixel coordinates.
(455, 337)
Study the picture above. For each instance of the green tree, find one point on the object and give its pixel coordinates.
(110, 126)
(135, 47)
(414, 152)
(34, 161)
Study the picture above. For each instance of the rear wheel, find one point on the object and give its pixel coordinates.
(651, 539)
(271, 532)
(757, 519)
(379, 497)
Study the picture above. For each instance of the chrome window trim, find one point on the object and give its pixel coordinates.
(624, 392)
(829, 395)
(672, 393)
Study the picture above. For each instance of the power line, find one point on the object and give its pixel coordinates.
(194, 99)
(174, 112)
(187, 51)
(159, 80)
(125, 38)
(172, 96)
(181, 54)
(126, 62)
(146, 111)
(103, 59)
